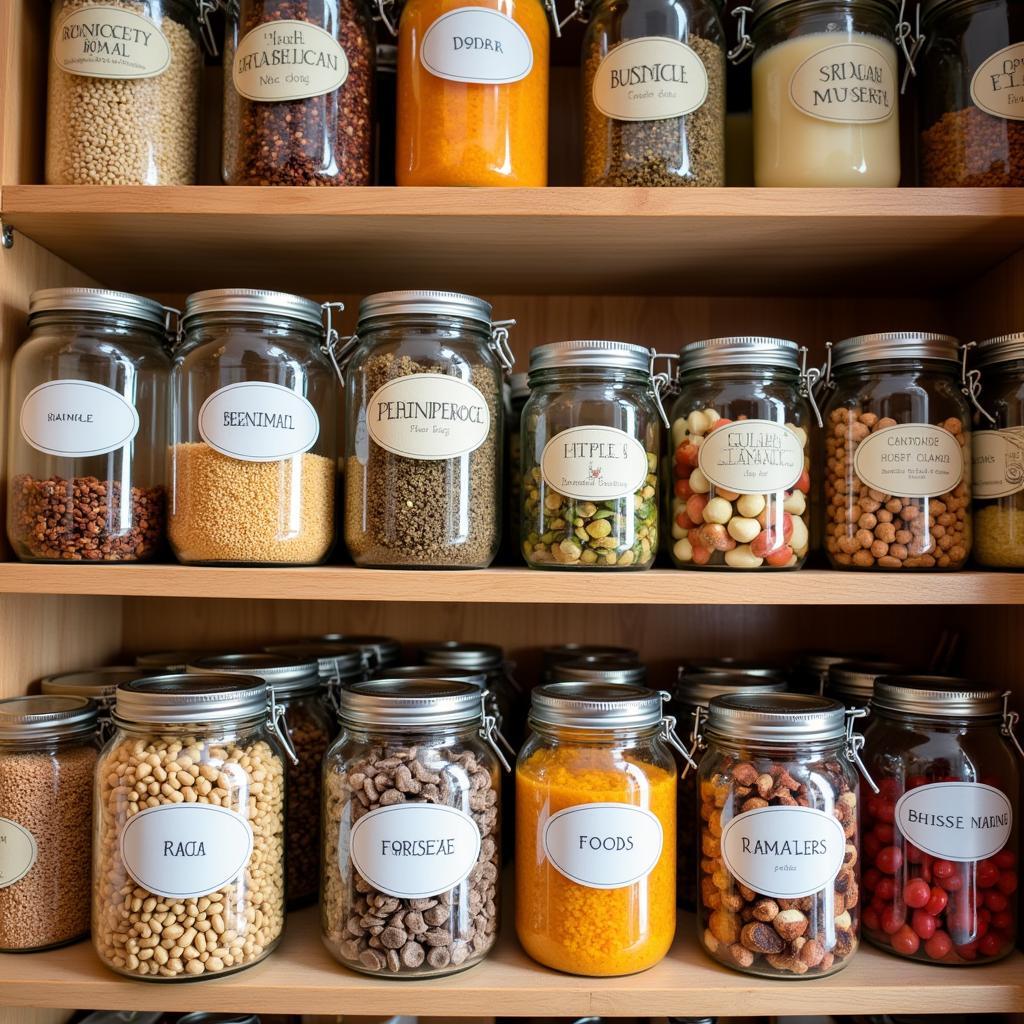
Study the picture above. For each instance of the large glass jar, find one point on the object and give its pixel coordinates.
(98, 685)
(412, 828)
(424, 422)
(298, 92)
(940, 838)
(778, 828)
(741, 461)
(48, 748)
(591, 438)
(472, 93)
(87, 429)
(189, 829)
(253, 461)
(123, 96)
(825, 93)
(972, 93)
(852, 683)
(897, 454)
(654, 93)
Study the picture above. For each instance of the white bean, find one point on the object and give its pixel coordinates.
(750, 505)
(741, 557)
(743, 530)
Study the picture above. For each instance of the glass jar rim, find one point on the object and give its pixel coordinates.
(856, 679)
(229, 303)
(98, 302)
(762, 8)
(599, 670)
(99, 684)
(937, 696)
(44, 717)
(339, 660)
(383, 306)
(596, 706)
(700, 688)
(455, 654)
(453, 675)
(590, 354)
(776, 718)
(410, 703)
(1003, 349)
(743, 351)
(894, 345)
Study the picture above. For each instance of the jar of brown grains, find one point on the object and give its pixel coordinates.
(898, 453)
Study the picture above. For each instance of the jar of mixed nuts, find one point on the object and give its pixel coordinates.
(852, 683)
(96, 684)
(898, 453)
(741, 456)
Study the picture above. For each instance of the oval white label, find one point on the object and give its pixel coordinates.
(997, 462)
(288, 60)
(97, 41)
(960, 821)
(603, 845)
(850, 83)
(18, 852)
(910, 460)
(650, 79)
(428, 416)
(185, 851)
(477, 45)
(998, 85)
(77, 418)
(752, 457)
(258, 422)
(784, 852)
(594, 463)
(413, 851)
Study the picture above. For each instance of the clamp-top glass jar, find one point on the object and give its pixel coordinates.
(852, 683)
(254, 431)
(337, 666)
(898, 453)
(98, 685)
(591, 440)
(940, 838)
(741, 455)
(87, 434)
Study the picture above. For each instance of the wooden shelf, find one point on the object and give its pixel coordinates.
(503, 241)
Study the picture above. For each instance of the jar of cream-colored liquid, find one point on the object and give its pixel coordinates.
(825, 93)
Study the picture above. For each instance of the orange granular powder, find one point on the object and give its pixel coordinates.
(458, 133)
(573, 927)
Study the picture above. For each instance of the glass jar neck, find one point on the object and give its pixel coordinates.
(197, 326)
(559, 375)
(779, 750)
(225, 727)
(437, 733)
(424, 322)
(893, 365)
(937, 723)
(33, 744)
(610, 737)
(877, 9)
(110, 323)
(741, 374)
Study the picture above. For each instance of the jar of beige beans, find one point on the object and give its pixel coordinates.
(188, 853)
(898, 453)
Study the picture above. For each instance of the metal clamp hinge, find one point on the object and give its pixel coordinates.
(669, 734)
(970, 381)
(500, 345)
(696, 740)
(336, 349)
(809, 377)
(384, 9)
(910, 39)
(278, 725)
(1009, 726)
(855, 744)
(6, 236)
(663, 383)
(579, 12)
(206, 8)
(492, 735)
(744, 45)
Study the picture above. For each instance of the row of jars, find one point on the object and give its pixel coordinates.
(471, 101)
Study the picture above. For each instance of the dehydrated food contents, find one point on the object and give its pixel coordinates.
(189, 830)
(941, 841)
(654, 93)
(897, 454)
(972, 93)
(779, 881)
(48, 753)
(741, 460)
(591, 435)
(253, 458)
(123, 103)
(298, 93)
(87, 433)
(412, 813)
(424, 432)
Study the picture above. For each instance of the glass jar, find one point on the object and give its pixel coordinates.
(998, 450)
(412, 826)
(898, 454)
(596, 829)
(472, 93)
(852, 683)
(204, 748)
(940, 838)
(778, 870)
(377, 651)
(254, 431)
(311, 126)
(811, 673)
(972, 93)
(123, 93)
(424, 423)
(48, 750)
(518, 393)
(654, 93)
(591, 438)
(98, 685)
(741, 460)
(812, 128)
(337, 666)
(87, 433)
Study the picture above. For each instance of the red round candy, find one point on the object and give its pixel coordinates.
(943, 868)
(886, 833)
(916, 893)
(1003, 921)
(906, 941)
(885, 811)
(914, 781)
(870, 919)
(996, 901)
(891, 788)
(889, 860)
(938, 901)
(1007, 882)
(986, 874)
(1005, 859)
(871, 846)
(952, 883)
(871, 878)
(914, 855)
(923, 924)
(886, 889)
(893, 919)
(991, 944)
(938, 946)
(968, 951)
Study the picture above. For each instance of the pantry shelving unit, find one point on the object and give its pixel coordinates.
(661, 267)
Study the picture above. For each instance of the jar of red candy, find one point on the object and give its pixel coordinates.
(940, 842)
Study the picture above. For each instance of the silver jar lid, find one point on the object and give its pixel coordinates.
(560, 654)
(596, 706)
(819, 661)
(741, 350)
(410, 703)
(340, 661)
(184, 698)
(452, 654)
(1003, 349)
(452, 675)
(377, 650)
(895, 345)
(699, 689)
(734, 666)
(100, 684)
(97, 300)
(590, 354)
(776, 718)
(424, 303)
(940, 696)
(604, 670)
(286, 677)
(44, 717)
(255, 301)
(168, 661)
(855, 680)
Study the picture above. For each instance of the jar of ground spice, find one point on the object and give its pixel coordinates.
(254, 431)
(96, 684)
(424, 427)
(654, 93)
(87, 429)
(48, 748)
(298, 92)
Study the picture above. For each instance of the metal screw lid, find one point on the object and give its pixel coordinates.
(590, 354)
(1003, 349)
(698, 689)
(762, 7)
(596, 706)
(604, 670)
(168, 661)
(410, 703)
(332, 660)
(734, 666)
(252, 300)
(518, 388)
(776, 717)
(940, 696)
(452, 654)
(819, 661)
(456, 675)
(855, 680)
(895, 345)
(286, 676)
(97, 300)
(377, 650)
(424, 303)
(561, 654)
(99, 684)
(44, 717)
(741, 350)
(183, 698)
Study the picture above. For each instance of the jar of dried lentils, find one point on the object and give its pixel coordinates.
(940, 838)
(898, 454)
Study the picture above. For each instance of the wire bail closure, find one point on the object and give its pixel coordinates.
(204, 8)
(1010, 720)
(855, 744)
(912, 34)
(744, 45)
(491, 734)
(696, 740)
(809, 377)
(971, 382)
(669, 734)
(384, 7)
(278, 725)
(500, 346)
(336, 349)
(662, 383)
(578, 13)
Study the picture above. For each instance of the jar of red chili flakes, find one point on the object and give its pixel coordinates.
(940, 842)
